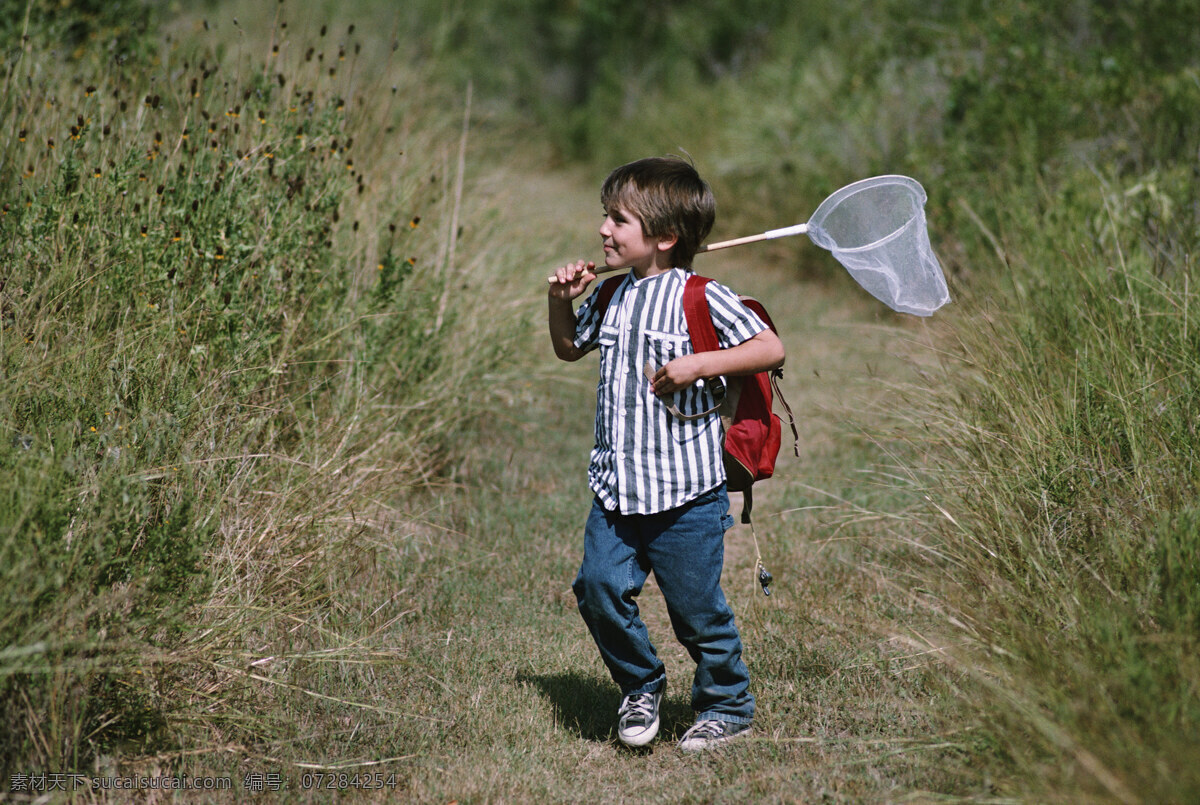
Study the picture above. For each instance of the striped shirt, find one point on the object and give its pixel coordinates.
(645, 459)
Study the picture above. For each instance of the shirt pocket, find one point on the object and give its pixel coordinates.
(662, 347)
(607, 336)
(606, 341)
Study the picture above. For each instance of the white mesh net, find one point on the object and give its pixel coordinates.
(876, 229)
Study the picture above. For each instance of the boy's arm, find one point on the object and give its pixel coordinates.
(572, 280)
(761, 353)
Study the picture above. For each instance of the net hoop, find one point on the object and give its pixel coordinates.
(876, 229)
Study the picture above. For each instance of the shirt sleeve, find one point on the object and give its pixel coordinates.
(733, 321)
(587, 323)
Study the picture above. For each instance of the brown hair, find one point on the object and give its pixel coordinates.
(669, 197)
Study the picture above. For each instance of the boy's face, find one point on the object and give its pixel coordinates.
(626, 244)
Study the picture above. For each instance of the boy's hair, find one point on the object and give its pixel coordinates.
(669, 197)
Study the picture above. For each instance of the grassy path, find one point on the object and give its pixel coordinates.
(521, 708)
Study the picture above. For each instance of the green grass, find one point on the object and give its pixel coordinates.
(226, 343)
(1068, 450)
(498, 650)
(289, 482)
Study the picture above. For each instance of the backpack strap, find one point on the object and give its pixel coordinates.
(775, 378)
(605, 293)
(649, 371)
(699, 320)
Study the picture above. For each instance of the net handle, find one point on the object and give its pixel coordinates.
(770, 234)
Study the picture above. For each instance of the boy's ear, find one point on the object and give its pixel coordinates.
(667, 242)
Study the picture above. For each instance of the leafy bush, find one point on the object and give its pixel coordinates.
(222, 290)
(79, 27)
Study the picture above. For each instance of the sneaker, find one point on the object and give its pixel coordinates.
(638, 718)
(711, 732)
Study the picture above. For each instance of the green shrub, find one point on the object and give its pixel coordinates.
(219, 293)
(119, 28)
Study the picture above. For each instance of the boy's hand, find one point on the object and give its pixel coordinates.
(678, 374)
(567, 283)
(761, 353)
(572, 280)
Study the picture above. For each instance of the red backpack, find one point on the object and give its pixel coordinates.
(753, 430)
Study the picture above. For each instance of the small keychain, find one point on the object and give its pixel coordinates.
(764, 578)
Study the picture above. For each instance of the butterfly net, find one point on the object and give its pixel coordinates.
(876, 229)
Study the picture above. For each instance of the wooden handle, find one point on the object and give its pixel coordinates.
(770, 234)
(725, 244)
(597, 271)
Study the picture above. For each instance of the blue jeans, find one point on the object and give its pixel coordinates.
(685, 548)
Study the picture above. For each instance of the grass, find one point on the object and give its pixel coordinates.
(1075, 417)
(226, 344)
(844, 713)
(290, 485)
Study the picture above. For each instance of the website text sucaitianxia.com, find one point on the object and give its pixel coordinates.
(48, 782)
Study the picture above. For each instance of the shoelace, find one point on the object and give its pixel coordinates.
(705, 729)
(638, 708)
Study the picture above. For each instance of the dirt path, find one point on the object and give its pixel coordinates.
(844, 713)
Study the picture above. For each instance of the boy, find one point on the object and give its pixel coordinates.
(658, 477)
